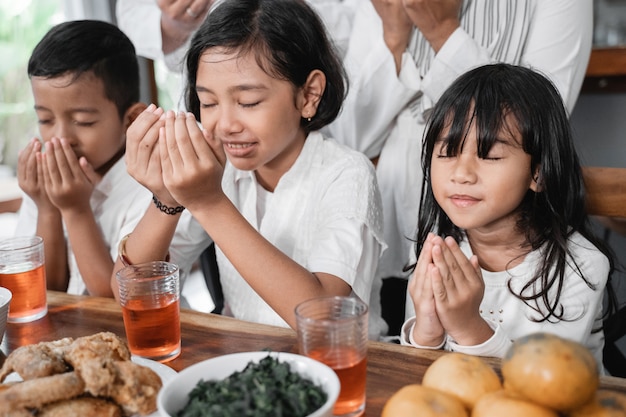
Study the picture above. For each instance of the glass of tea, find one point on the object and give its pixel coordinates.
(149, 294)
(333, 330)
(22, 271)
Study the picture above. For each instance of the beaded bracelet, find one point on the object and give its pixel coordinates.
(166, 209)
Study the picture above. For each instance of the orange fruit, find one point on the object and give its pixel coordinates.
(604, 404)
(417, 400)
(466, 377)
(548, 370)
(503, 404)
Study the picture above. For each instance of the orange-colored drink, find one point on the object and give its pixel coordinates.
(153, 326)
(351, 368)
(29, 300)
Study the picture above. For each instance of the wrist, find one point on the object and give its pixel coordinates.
(171, 210)
(472, 334)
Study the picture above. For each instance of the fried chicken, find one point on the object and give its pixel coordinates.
(135, 388)
(81, 407)
(57, 375)
(93, 357)
(36, 392)
(35, 361)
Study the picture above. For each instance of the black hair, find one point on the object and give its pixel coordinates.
(289, 41)
(80, 46)
(480, 99)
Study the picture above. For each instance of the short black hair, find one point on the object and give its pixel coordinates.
(289, 41)
(80, 46)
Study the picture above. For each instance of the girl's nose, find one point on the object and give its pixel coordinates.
(228, 122)
(464, 170)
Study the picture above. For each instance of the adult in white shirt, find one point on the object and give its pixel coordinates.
(402, 55)
(161, 29)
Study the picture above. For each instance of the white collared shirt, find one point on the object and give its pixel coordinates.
(325, 214)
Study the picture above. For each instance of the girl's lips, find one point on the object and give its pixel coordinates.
(239, 149)
(462, 200)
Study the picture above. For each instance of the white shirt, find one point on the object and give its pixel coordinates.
(118, 202)
(384, 113)
(325, 214)
(511, 318)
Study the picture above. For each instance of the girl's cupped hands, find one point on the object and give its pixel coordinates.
(192, 161)
(143, 160)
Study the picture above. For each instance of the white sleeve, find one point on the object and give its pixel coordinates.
(140, 20)
(337, 16)
(558, 45)
(376, 94)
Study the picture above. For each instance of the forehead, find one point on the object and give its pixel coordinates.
(67, 90)
(485, 128)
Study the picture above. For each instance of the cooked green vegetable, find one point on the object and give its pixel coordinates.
(267, 388)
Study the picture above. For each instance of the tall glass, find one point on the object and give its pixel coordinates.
(149, 294)
(22, 271)
(333, 330)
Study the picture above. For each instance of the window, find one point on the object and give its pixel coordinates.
(22, 25)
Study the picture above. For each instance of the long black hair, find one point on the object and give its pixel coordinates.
(289, 41)
(548, 217)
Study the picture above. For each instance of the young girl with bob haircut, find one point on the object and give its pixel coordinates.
(504, 246)
(293, 215)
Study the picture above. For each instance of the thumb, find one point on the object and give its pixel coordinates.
(93, 177)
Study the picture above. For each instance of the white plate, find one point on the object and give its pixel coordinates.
(163, 371)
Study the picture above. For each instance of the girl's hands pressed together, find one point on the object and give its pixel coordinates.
(428, 330)
(192, 160)
(458, 290)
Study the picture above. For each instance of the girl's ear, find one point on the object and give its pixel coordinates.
(534, 184)
(312, 92)
(132, 113)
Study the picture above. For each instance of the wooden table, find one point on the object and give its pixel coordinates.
(204, 336)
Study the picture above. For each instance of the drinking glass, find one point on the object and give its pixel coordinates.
(149, 294)
(5, 301)
(333, 330)
(22, 271)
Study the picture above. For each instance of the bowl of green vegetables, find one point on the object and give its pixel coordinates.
(276, 384)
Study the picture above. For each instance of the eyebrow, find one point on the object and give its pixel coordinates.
(241, 87)
(90, 110)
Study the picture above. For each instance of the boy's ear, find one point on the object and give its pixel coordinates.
(312, 92)
(132, 113)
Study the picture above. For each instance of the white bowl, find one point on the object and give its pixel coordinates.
(5, 300)
(173, 395)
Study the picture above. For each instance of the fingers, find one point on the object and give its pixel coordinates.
(88, 170)
(142, 136)
(200, 138)
(27, 163)
(61, 162)
(168, 137)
